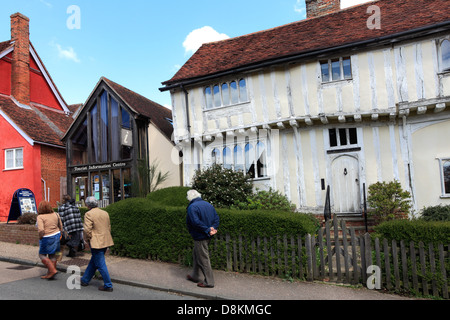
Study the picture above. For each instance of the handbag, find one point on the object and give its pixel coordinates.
(64, 237)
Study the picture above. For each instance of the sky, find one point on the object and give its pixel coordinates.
(136, 43)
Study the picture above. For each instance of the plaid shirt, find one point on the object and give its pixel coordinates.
(70, 217)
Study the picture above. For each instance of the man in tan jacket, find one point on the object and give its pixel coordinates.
(97, 233)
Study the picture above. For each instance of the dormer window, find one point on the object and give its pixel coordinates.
(445, 55)
(226, 94)
(336, 69)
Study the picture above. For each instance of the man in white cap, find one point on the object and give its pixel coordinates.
(202, 222)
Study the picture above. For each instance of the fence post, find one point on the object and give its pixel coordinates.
(423, 268)
(229, 261)
(310, 275)
(443, 272)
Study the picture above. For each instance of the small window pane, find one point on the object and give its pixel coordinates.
(234, 93)
(445, 49)
(333, 138)
(227, 162)
(94, 134)
(215, 156)
(225, 94)
(336, 69)
(261, 163)
(343, 137)
(250, 160)
(353, 136)
(238, 159)
(9, 159)
(208, 96)
(19, 158)
(346, 63)
(126, 119)
(243, 91)
(217, 100)
(325, 72)
(446, 173)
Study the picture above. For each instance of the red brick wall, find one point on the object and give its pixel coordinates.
(21, 234)
(53, 167)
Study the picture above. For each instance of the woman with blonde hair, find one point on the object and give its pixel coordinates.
(50, 228)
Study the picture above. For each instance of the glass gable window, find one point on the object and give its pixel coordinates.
(104, 135)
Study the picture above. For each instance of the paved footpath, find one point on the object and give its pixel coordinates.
(172, 278)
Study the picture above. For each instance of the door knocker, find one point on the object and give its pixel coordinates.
(345, 172)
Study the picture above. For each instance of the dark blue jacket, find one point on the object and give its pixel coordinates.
(201, 216)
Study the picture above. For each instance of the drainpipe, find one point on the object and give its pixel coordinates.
(45, 188)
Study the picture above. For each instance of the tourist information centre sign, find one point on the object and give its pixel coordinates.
(23, 201)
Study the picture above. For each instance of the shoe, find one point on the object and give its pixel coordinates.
(103, 288)
(202, 285)
(84, 284)
(191, 279)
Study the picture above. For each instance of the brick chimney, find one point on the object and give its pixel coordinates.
(20, 73)
(316, 8)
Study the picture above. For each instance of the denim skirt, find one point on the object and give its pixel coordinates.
(50, 245)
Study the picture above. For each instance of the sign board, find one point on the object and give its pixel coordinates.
(23, 201)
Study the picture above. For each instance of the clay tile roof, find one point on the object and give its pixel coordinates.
(157, 114)
(41, 124)
(5, 45)
(336, 29)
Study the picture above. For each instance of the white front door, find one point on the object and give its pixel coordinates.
(345, 187)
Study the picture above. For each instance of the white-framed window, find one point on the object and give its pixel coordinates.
(444, 167)
(444, 49)
(249, 157)
(14, 159)
(226, 94)
(343, 137)
(336, 69)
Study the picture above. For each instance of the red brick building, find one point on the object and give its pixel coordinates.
(33, 119)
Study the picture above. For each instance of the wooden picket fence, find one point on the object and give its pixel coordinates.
(338, 254)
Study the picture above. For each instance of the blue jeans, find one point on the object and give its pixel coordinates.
(97, 263)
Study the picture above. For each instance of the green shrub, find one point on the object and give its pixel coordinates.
(387, 199)
(222, 187)
(145, 229)
(172, 196)
(265, 200)
(416, 231)
(436, 213)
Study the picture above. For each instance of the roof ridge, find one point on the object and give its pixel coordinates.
(344, 27)
(134, 92)
(290, 23)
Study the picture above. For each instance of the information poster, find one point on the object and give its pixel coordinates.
(23, 201)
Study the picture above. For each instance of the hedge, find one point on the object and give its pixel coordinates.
(142, 228)
(415, 230)
(172, 196)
